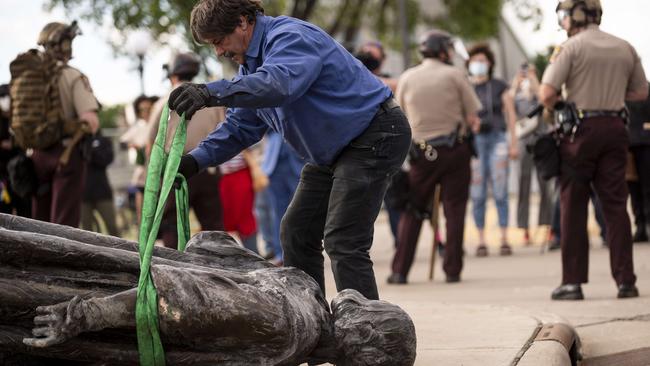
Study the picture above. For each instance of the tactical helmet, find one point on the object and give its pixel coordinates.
(183, 64)
(433, 42)
(57, 38)
(582, 12)
(55, 32)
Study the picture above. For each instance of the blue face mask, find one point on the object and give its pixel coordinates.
(478, 68)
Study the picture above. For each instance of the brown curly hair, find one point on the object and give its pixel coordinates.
(482, 48)
(211, 19)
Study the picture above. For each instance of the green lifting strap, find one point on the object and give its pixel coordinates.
(156, 191)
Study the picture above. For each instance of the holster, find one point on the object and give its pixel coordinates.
(418, 148)
(80, 132)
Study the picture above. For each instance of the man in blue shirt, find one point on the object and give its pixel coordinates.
(295, 79)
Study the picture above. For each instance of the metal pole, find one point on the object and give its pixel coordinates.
(404, 30)
(141, 72)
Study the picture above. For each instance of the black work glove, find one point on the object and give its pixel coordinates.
(188, 167)
(189, 98)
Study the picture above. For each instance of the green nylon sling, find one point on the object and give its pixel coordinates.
(156, 192)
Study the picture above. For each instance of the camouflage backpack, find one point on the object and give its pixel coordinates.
(36, 116)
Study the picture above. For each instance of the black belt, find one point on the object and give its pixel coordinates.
(388, 104)
(582, 114)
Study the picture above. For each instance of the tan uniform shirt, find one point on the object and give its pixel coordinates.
(203, 122)
(597, 70)
(436, 98)
(76, 94)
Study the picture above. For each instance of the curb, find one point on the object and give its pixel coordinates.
(552, 344)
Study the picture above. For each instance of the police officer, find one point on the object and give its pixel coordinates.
(203, 188)
(59, 198)
(441, 106)
(598, 72)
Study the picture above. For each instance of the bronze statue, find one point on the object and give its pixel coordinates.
(218, 303)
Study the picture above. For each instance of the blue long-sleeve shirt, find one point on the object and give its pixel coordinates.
(300, 82)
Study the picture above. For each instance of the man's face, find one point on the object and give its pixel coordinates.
(235, 44)
(564, 20)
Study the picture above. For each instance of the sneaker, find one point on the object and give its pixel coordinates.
(569, 291)
(396, 279)
(627, 291)
(482, 251)
(505, 250)
(554, 243)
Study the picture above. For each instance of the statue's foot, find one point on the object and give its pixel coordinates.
(56, 324)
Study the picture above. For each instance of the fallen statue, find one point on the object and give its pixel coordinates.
(67, 296)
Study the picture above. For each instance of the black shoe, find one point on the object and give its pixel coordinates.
(626, 291)
(640, 236)
(554, 245)
(396, 279)
(569, 291)
(452, 278)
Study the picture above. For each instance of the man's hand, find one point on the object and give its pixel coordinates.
(189, 98)
(188, 167)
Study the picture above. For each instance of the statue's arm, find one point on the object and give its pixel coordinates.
(55, 324)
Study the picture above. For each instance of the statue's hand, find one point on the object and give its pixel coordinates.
(56, 324)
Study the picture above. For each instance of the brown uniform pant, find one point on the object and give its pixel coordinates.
(598, 152)
(452, 171)
(203, 191)
(60, 187)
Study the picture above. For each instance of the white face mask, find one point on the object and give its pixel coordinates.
(4, 104)
(478, 68)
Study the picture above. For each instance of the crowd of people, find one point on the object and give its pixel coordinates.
(304, 144)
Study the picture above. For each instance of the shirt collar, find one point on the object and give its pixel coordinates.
(253, 50)
(432, 61)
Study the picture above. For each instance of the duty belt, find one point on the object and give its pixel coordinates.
(582, 114)
(428, 147)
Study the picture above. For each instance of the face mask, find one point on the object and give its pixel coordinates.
(478, 68)
(4, 104)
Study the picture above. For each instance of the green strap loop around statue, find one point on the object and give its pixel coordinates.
(156, 191)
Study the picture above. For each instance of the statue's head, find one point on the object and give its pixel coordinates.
(372, 332)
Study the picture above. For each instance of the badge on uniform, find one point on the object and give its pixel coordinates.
(555, 54)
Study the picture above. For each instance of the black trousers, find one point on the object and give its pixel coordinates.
(452, 171)
(335, 206)
(640, 190)
(599, 151)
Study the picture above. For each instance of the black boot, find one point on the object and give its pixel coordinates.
(626, 291)
(396, 279)
(569, 291)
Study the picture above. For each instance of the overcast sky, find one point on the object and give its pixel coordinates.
(115, 80)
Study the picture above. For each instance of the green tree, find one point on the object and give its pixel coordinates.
(108, 116)
(470, 19)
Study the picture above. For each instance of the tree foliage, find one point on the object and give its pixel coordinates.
(470, 19)
(108, 116)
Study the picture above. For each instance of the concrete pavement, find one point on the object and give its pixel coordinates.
(493, 316)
